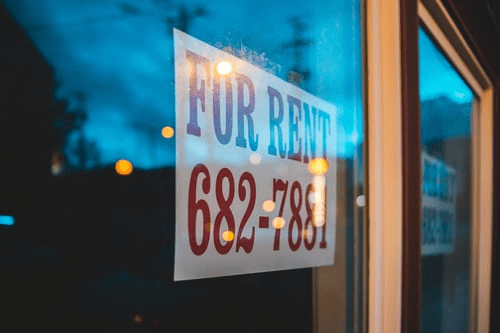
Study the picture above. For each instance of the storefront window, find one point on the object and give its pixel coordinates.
(88, 174)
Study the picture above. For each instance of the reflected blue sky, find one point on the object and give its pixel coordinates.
(119, 54)
(445, 97)
(437, 76)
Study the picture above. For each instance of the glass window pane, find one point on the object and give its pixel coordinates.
(88, 146)
(446, 109)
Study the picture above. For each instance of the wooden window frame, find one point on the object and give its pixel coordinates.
(394, 190)
(384, 142)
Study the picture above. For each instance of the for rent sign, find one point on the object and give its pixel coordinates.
(255, 168)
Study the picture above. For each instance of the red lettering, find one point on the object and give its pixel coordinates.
(309, 244)
(225, 211)
(279, 185)
(295, 206)
(246, 243)
(194, 206)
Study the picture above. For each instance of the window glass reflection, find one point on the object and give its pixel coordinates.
(87, 137)
(446, 109)
(112, 63)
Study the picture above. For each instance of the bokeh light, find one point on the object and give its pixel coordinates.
(268, 206)
(56, 163)
(137, 319)
(167, 132)
(228, 235)
(224, 67)
(318, 221)
(6, 220)
(319, 210)
(318, 166)
(124, 167)
(305, 234)
(360, 200)
(255, 158)
(278, 222)
(55, 169)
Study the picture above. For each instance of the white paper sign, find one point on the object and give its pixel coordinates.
(246, 142)
(439, 198)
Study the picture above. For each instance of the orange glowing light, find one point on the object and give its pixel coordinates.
(319, 210)
(137, 319)
(305, 233)
(318, 166)
(56, 169)
(318, 223)
(278, 222)
(123, 167)
(224, 67)
(268, 206)
(167, 132)
(56, 163)
(228, 236)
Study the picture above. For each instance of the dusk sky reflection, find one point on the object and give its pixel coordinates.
(119, 55)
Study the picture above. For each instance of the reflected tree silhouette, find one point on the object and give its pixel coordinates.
(183, 18)
(298, 74)
(80, 153)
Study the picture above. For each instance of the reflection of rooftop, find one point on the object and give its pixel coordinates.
(443, 118)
